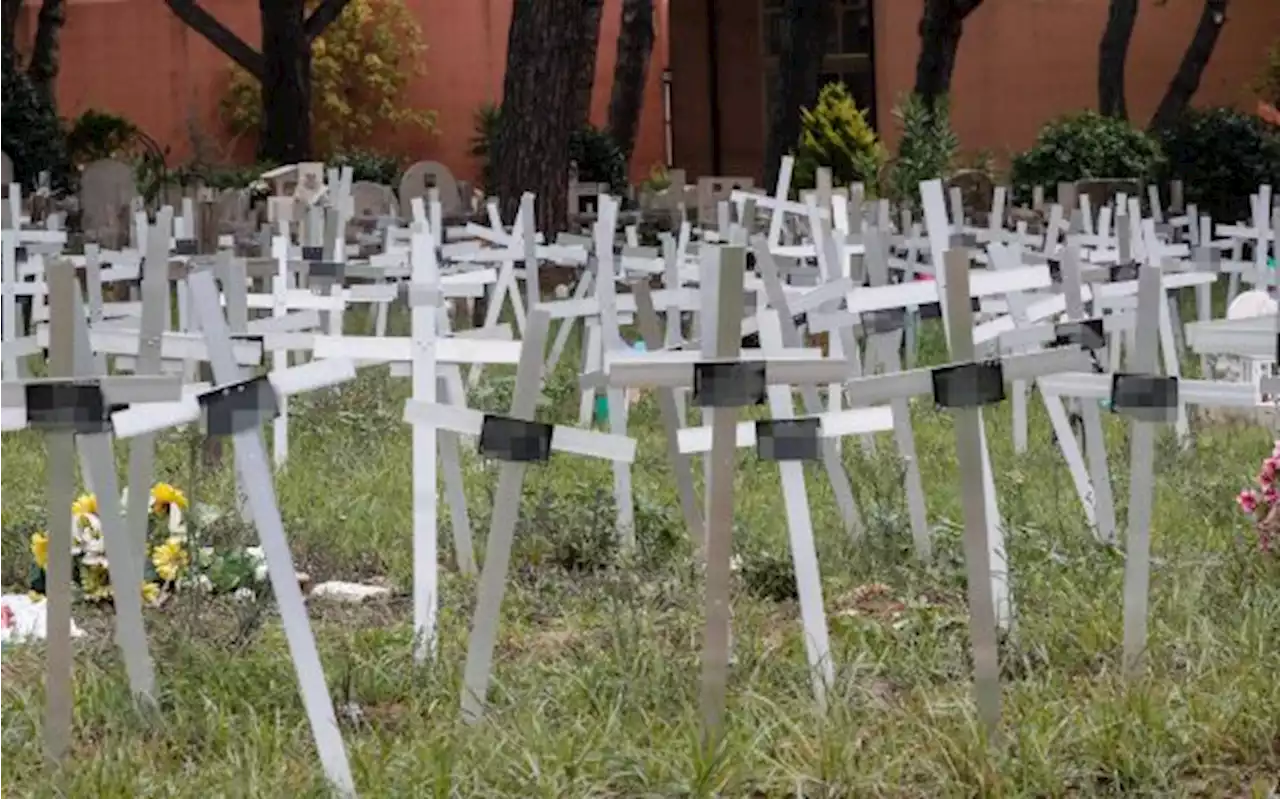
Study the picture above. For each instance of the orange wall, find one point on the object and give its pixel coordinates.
(134, 58)
(1021, 63)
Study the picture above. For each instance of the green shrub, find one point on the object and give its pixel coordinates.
(95, 135)
(1269, 82)
(835, 134)
(599, 158)
(369, 165)
(1086, 145)
(32, 133)
(926, 151)
(1221, 155)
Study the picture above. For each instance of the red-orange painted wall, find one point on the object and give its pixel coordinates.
(1021, 63)
(134, 58)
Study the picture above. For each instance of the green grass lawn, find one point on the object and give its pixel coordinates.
(595, 690)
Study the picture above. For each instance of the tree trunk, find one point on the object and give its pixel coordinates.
(806, 26)
(283, 67)
(11, 10)
(1113, 55)
(286, 84)
(1187, 79)
(43, 66)
(635, 43)
(539, 94)
(585, 78)
(941, 25)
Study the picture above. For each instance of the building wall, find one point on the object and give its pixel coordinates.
(134, 58)
(1021, 63)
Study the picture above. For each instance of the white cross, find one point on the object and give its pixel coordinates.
(251, 462)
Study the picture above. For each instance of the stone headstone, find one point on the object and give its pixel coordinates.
(424, 175)
(106, 186)
(712, 190)
(976, 190)
(1102, 191)
(371, 200)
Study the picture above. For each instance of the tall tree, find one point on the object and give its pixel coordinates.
(1113, 55)
(11, 9)
(1187, 79)
(585, 78)
(43, 66)
(941, 26)
(806, 25)
(635, 44)
(282, 66)
(539, 96)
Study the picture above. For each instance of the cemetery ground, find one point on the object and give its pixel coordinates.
(596, 680)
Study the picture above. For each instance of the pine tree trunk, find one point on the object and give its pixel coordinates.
(1113, 55)
(585, 79)
(11, 10)
(807, 24)
(1187, 79)
(286, 84)
(635, 44)
(539, 93)
(941, 26)
(43, 66)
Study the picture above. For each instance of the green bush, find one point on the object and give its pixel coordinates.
(599, 158)
(1221, 155)
(1086, 145)
(835, 134)
(95, 135)
(369, 165)
(926, 151)
(32, 134)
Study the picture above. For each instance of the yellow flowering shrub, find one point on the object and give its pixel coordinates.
(360, 68)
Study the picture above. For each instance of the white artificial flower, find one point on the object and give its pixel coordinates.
(259, 559)
(177, 524)
(243, 594)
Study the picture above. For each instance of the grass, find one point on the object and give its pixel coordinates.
(595, 689)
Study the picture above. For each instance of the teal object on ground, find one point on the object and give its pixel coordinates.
(602, 399)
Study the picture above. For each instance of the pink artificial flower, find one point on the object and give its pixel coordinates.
(1270, 495)
(1275, 453)
(1267, 477)
(1248, 500)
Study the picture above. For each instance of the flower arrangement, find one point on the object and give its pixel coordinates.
(1262, 504)
(169, 565)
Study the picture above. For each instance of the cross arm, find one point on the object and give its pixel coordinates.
(570, 440)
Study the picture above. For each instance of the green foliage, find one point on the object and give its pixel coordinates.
(32, 134)
(599, 158)
(926, 150)
(369, 165)
(1086, 145)
(835, 134)
(95, 135)
(361, 67)
(1221, 155)
(1269, 82)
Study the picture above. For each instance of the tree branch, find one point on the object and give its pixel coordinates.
(218, 35)
(324, 15)
(1194, 60)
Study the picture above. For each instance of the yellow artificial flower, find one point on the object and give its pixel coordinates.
(150, 593)
(163, 495)
(94, 582)
(40, 549)
(169, 559)
(85, 504)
